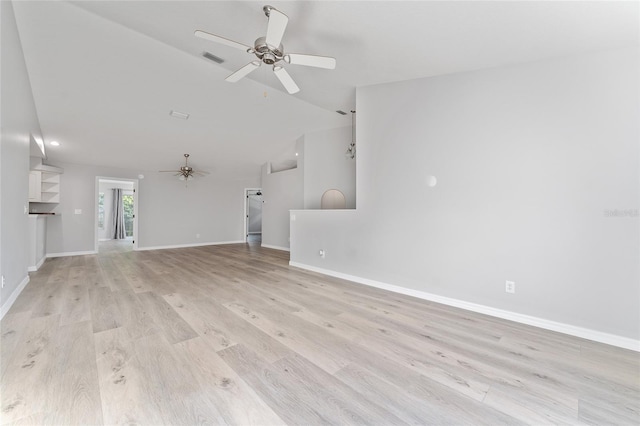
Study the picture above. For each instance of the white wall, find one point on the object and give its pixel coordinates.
(168, 212)
(213, 206)
(326, 167)
(281, 192)
(19, 119)
(528, 159)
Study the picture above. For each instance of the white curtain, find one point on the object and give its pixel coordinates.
(117, 215)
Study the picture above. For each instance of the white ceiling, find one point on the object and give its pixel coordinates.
(105, 74)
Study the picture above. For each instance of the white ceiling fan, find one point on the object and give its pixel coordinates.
(269, 50)
(185, 172)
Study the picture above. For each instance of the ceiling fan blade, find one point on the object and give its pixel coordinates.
(212, 37)
(243, 71)
(275, 28)
(200, 173)
(286, 80)
(311, 60)
(169, 171)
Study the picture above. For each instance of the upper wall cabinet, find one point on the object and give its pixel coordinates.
(35, 186)
(44, 187)
(50, 188)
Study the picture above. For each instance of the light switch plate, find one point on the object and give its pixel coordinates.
(77, 211)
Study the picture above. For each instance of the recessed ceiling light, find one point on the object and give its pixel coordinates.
(54, 143)
(296, 154)
(178, 114)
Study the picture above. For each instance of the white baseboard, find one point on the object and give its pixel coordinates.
(174, 246)
(38, 265)
(71, 253)
(572, 330)
(7, 305)
(275, 247)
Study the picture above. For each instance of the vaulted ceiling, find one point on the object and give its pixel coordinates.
(105, 74)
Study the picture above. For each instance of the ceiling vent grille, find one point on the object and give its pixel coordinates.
(341, 112)
(212, 57)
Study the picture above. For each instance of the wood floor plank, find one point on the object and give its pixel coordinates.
(124, 396)
(75, 304)
(174, 328)
(409, 408)
(133, 317)
(105, 313)
(30, 383)
(302, 343)
(236, 401)
(337, 400)
(283, 396)
(77, 394)
(224, 328)
(11, 330)
(175, 391)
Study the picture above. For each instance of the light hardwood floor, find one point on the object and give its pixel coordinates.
(232, 334)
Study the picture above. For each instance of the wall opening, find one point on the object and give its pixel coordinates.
(253, 215)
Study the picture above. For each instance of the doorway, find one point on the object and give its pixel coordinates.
(253, 215)
(116, 211)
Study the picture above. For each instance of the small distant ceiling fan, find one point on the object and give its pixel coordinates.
(269, 50)
(185, 172)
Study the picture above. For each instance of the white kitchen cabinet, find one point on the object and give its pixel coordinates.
(44, 187)
(35, 187)
(50, 187)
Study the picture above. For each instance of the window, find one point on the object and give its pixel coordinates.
(101, 210)
(127, 204)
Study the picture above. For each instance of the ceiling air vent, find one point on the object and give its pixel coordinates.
(341, 112)
(212, 57)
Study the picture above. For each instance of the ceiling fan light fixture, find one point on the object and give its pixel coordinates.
(186, 172)
(269, 50)
(351, 149)
(350, 154)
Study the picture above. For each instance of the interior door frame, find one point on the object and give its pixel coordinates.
(246, 212)
(135, 209)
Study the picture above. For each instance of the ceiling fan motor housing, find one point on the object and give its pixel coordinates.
(267, 54)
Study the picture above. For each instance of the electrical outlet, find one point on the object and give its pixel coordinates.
(293, 217)
(510, 287)
(3, 281)
(77, 211)
(321, 253)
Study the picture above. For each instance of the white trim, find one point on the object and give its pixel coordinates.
(174, 246)
(12, 298)
(71, 253)
(572, 330)
(38, 265)
(276, 248)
